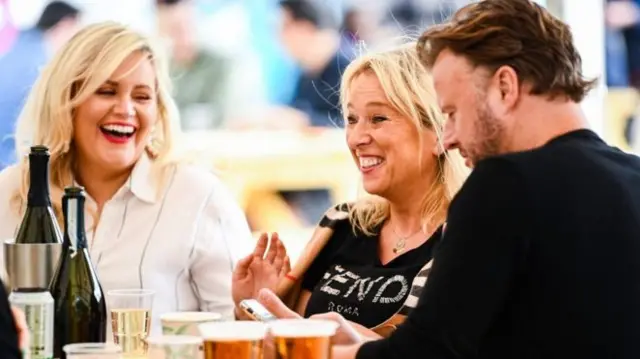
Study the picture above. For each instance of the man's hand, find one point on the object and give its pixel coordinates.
(348, 332)
(345, 334)
(274, 305)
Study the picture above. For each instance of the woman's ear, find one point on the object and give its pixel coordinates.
(438, 146)
(438, 149)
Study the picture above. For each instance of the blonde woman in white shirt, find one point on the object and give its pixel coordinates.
(103, 108)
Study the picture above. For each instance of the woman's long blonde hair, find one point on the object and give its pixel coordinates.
(408, 87)
(75, 73)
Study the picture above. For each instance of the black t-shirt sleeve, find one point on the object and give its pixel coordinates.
(473, 270)
(319, 266)
(9, 348)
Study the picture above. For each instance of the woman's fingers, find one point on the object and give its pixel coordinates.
(286, 267)
(273, 249)
(261, 246)
(278, 262)
(242, 268)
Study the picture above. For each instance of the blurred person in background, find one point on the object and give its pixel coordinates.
(623, 55)
(8, 30)
(623, 17)
(358, 31)
(622, 21)
(103, 109)
(310, 33)
(353, 21)
(412, 16)
(21, 64)
(615, 47)
(200, 76)
(279, 73)
(386, 240)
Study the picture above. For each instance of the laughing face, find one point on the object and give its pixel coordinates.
(112, 126)
(386, 144)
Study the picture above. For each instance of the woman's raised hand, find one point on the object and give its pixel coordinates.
(261, 269)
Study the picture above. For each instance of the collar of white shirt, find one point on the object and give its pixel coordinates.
(144, 182)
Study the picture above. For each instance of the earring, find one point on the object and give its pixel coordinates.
(152, 151)
(153, 145)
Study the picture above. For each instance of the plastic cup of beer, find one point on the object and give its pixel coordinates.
(92, 351)
(302, 338)
(131, 319)
(233, 339)
(174, 347)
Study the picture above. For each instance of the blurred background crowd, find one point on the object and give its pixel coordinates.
(256, 81)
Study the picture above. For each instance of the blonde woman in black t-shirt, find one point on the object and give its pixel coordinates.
(368, 260)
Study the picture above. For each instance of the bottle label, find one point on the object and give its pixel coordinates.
(40, 344)
(38, 310)
(72, 223)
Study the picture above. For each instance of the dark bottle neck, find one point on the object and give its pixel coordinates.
(39, 180)
(74, 232)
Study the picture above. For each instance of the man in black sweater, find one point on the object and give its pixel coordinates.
(541, 256)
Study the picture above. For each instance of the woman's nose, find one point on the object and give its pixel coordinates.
(124, 108)
(358, 135)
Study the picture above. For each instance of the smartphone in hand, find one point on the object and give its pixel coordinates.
(256, 311)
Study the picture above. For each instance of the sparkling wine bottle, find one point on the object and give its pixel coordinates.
(33, 257)
(80, 313)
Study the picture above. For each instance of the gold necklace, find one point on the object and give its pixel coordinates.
(401, 243)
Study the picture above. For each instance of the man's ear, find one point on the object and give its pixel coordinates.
(508, 84)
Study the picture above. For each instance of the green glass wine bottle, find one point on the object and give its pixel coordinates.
(80, 313)
(33, 257)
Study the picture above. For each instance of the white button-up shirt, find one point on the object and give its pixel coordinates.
(180, 237)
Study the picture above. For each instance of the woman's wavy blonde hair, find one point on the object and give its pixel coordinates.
(408, 87)
(75, 73)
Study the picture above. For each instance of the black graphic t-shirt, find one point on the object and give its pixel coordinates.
(347, 277)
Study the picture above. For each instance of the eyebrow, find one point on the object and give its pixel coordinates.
(115, 84)
(446, 109)
(373, 104)
(378, 104)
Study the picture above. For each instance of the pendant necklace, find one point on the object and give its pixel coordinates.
(401, 243)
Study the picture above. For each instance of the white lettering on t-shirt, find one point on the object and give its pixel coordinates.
(403, 290)
(360, 283)
(339, 278)
(343, 309)
(371, 295)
